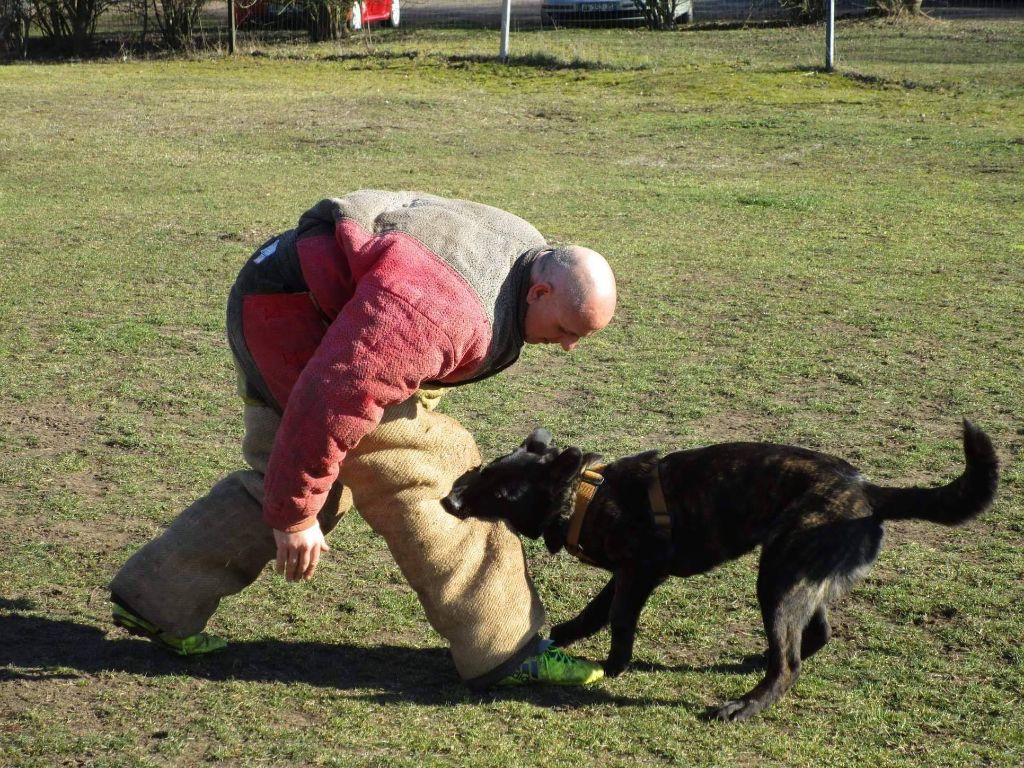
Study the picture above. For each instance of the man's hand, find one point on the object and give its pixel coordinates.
(299, 552)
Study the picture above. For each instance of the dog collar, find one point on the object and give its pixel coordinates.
(590, 481)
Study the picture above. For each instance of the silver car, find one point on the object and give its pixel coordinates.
(604, 12)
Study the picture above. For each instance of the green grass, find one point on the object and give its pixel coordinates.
(832, 260)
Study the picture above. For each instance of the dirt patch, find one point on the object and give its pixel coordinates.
(55, 468)
(40, 429)
(899, 533)
(735, 426)
(98, 537)
(535, 366)
(57, 440)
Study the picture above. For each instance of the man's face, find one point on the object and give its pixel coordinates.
(550, 320)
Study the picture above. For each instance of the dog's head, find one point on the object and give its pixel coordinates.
(528, 488)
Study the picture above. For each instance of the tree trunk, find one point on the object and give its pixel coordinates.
(326, 21)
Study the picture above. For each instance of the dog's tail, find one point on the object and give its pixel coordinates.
(959, 501)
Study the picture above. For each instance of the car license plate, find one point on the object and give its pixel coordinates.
(595, 7)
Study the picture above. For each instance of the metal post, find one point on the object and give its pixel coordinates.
(231, 26)
(830, 35)
(506, 21)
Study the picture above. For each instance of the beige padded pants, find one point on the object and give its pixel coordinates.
(470, 575)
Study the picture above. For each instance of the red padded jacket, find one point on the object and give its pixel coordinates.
(369, 297)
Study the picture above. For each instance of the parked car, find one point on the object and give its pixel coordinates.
(294, 15)
(603, 13)
(368, 11)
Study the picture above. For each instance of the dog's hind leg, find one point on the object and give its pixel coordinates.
(591, 619)
(785, 617)
(816, 633)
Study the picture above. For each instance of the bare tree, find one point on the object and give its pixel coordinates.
(326, 20)
(665, 14)
(897, 7)
(69, 24)
(15, 18)
(177, 20)
(804, 11)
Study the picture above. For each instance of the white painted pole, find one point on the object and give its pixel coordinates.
(506, 21)
(830, 35)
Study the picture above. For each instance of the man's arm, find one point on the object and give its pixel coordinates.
(299, 553)
(375, 354)
(389, 337)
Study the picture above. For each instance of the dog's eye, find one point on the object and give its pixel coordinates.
(513, 493)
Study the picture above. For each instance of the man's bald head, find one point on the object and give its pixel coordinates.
(572, 294)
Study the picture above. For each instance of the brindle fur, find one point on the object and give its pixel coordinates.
(818, 521)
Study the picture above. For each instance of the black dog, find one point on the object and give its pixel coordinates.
(818, 521)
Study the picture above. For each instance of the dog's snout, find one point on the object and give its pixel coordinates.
(450, 505)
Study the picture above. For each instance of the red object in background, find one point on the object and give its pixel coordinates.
(375, 10)
(291, 14)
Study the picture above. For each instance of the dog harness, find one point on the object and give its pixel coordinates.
(590, 481)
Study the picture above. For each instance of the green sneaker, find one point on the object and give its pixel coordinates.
(555, 666)
(193, 645)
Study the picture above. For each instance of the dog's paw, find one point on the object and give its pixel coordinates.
(614, 668)
(563, 634)
(735, 711)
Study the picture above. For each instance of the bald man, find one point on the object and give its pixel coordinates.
(344, 331)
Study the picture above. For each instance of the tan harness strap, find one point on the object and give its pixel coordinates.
(590, 481)
(659, 507)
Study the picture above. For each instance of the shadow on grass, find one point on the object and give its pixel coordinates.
(745, 666)
(35, 648)
(532, 60)
(535, 60)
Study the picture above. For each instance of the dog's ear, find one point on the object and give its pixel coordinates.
(538, 441)
(568, 465)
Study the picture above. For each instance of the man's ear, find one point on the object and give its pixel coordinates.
(537, 290)
(538, 441)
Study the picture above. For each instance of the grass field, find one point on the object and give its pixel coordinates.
(830, 260)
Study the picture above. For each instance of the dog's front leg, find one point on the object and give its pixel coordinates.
(590, 620)
(632, 588)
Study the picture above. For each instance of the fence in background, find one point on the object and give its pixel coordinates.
(149, 24)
